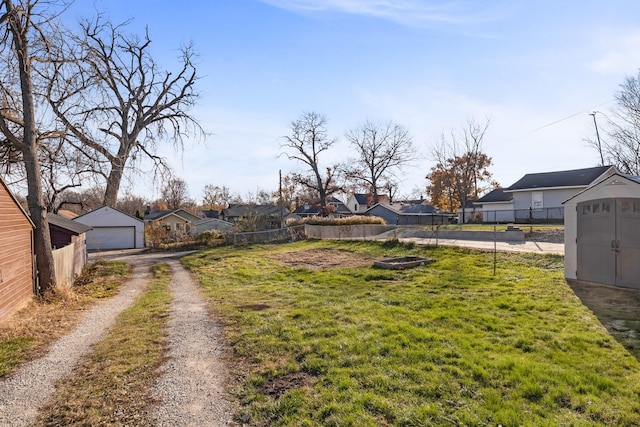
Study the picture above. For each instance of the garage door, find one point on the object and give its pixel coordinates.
(104, 238)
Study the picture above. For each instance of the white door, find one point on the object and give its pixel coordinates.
(104, 238)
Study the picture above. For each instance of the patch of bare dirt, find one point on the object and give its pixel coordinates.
(323, 259)
(617, 308)
(276, 387)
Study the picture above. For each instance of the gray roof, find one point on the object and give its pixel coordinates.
(569, 178)
(152, 216)
(496, 195)
(411, 209)
(155, 215)
(367, 199)
(67, 224)
(243, 210)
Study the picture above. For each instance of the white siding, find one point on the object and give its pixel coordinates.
(113, 228)
(498, 212)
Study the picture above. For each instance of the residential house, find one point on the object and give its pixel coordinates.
(360, 203)
(64, 233)
(539, 196)
(17, 269)
(177, 222)
(602, 232)
(112, 229)
(337, 209)
(496, 206)
(410, 214)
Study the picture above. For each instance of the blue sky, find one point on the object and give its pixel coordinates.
(535, 68)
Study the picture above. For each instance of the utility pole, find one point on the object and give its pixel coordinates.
(595, 123)
(280, 199)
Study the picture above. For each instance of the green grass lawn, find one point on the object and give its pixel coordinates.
(442, 344)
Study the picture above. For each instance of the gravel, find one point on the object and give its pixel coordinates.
(190, 387)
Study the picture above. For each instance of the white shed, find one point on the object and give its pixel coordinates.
(602, 233)
(112, 229)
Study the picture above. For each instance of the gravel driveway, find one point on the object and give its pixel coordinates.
(191, 383)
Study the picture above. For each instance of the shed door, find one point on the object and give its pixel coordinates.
(609, 241)
(628, 243)
(103, 238)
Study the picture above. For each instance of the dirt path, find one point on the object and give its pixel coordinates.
(31, 386)
(191, 384)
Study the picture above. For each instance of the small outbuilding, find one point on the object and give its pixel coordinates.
(69, 244)
(17, 272)
(602, 232)
(112, 229)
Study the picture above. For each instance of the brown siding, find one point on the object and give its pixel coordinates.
(16, 259)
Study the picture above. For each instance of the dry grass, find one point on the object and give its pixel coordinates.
(351, 220)
(113, 384)
(28, 334)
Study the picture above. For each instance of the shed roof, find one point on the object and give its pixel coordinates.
(73, 226)
(634, 179)
(568, 178)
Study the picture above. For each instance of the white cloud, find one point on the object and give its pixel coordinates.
(405, 12)
(620, 53)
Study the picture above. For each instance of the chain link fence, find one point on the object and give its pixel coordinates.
(281, 235)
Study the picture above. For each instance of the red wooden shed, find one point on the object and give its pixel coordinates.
(17, 272)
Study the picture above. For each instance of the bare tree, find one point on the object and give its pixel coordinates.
(81, 201)
(119, 105)
(175, 193)
(382, 148)
(622, 147)
(461, 167)
(215, 197)
(24, 47)
(309, 138)
(132, 204)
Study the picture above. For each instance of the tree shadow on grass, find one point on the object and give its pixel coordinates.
(617, 308)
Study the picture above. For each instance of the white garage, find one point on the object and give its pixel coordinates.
(112, 229)
(602, 233)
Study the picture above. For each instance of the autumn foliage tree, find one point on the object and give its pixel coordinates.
(462, 172)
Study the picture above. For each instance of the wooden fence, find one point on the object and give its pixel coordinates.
(68, 263)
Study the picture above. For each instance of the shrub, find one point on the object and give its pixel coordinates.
(350, 220)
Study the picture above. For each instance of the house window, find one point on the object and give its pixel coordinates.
(355, 209)
(536, 200)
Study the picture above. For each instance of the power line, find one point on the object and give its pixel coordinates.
(570, 116)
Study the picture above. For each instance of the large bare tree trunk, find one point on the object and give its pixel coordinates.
(28, 144)
(113, 186)
(38, 213)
